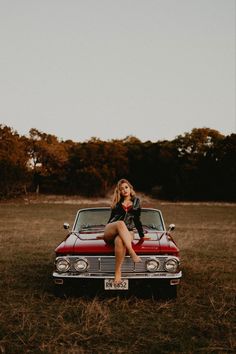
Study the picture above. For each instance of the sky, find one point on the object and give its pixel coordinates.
(153, 69)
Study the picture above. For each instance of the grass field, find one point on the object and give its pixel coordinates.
(32, 320)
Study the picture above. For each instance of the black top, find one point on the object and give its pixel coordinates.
(131, 217)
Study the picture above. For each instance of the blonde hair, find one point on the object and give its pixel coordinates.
(116, 196)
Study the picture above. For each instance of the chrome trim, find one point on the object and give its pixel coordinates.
(81, 259)
(105, 263)
(62, 258)
(104, 267)
(158, 264)
(99, 264)
(175, 259)
(157, 275)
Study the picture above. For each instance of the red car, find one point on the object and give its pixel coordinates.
(84, 262)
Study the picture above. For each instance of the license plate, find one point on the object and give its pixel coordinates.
(110, 285)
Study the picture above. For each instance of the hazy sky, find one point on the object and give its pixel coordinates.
(111, 68)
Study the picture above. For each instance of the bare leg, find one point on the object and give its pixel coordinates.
(119, 228)
(120, 251)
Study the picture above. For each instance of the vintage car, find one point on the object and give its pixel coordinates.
(86, 263)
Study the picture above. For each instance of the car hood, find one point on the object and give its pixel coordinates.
(87, 242)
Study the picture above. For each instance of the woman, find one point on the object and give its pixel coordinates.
(125, 215)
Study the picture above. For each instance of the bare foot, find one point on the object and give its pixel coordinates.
(117, 279)
(135, 257)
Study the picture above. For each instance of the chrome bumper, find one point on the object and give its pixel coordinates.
(157, 275)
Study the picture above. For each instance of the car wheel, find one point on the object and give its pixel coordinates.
(164, 292)
(168, 292)
(60, 291)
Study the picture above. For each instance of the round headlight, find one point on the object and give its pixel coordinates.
(81, 265)
(62, 265)
(152, 265)
(171, 265)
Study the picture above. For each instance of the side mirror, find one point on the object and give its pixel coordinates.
(171, 227)
(66, 225)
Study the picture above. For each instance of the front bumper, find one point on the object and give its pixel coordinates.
(156, 275)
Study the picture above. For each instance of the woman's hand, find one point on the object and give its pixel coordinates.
(142, 239)
(146, 237)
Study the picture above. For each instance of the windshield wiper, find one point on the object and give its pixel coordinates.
(90, 226)
(152, 226)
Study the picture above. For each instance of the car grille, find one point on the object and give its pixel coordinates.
(107, 264)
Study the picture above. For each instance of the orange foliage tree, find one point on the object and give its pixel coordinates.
(14, 175)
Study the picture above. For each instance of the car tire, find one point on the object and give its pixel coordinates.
(60, 291)
(168, 292)
(164, 292)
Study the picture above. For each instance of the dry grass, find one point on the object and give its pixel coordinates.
(32, 320)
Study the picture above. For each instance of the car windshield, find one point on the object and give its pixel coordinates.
(91, 218)
(152, 219)
(98, 218)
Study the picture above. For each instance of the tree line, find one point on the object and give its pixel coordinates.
(198, 165)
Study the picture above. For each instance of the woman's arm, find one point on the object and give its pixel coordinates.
(112, 215)
(138, 225)
(137, 221)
